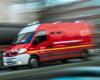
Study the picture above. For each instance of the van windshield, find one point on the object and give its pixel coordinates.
(24, 38)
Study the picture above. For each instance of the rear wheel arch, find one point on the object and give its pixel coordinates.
(84, 54)
(85, 50)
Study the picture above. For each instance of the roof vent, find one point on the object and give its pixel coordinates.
(79, 21)
(56, 22)
(33, 23)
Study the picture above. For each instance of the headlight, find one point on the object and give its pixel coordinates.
(22, 50)
(4, 54)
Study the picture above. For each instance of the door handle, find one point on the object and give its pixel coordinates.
(50, 46)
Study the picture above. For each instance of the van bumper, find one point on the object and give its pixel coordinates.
(18, 60)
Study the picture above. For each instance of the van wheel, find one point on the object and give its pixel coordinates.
(33, 63)
(64, 60)
(84, 55)
(13, 68)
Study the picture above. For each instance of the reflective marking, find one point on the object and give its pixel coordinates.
(67, 41)
(35, 51)
(84, 33)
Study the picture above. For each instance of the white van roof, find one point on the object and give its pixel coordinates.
(31, 28)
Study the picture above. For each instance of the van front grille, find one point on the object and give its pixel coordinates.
(11, 54)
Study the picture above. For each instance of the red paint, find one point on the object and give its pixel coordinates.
(64, 34)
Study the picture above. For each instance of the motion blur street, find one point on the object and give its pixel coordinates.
(48, 68)
(16, 15)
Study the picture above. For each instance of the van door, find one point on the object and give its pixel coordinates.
(40, 43)
(56, 39)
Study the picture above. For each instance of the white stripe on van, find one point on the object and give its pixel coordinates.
(67, 41)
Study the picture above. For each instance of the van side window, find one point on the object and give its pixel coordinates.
(51, 32)
(40, 37)
(59, 32)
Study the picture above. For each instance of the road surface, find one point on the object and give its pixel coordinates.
(94, 60)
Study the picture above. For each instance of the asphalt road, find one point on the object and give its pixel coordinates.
(94, 60)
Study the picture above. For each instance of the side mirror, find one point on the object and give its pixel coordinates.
(35, 41)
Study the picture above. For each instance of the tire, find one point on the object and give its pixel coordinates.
(64, 60)
(33, 63)
(84, 55)
(13, 68)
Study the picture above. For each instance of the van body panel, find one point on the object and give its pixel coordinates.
(17, 47)
(57, 41)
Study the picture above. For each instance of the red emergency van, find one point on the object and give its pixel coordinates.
(40, 43)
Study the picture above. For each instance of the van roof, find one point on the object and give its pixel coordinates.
(31, 28)
(59, 24)
(45, 26)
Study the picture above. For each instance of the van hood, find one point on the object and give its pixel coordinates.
(17, 47)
